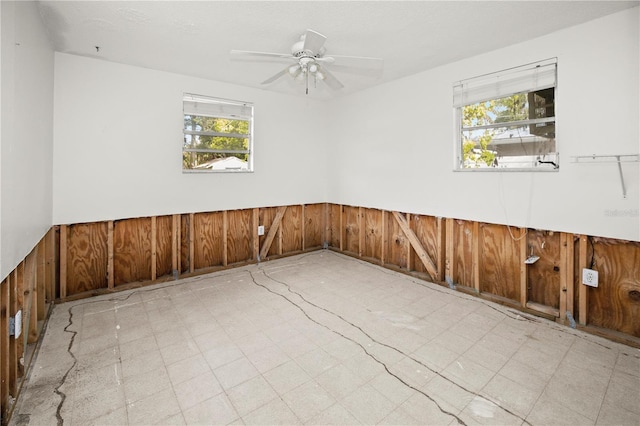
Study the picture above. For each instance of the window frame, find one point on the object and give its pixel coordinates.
(484, 81)
(236, 110)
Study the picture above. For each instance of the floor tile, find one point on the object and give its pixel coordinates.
(334, 415)
(215, 410)
(196, 390)
(235, 372)
(187, 369)
(275, 412)
(368, 405)
(339, 381)
(250, 395)
(286, 377)
(154, 408)
(308, 400)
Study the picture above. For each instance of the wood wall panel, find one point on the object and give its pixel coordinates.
(239, 236)
(463, 252)
(334, 225)
(499, 262)
(184, 243)
(372, 234)
(208, 240)
(351, 229)
(615, 303)
(576, 277)
(313, 225)
(267, 216)
(4, 346)
(87, 257)
(292, 229)
(426, 229)
(164, 238)
(396, 252)
(543, 277)
(132, 250)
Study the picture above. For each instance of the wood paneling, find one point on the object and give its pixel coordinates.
(4, 345)
(615, 303)
(239, 236)
(208, 244)
(462, 247)
(185, 220)
(372, 234)
(132, 250)
(267, 216)
(334, 225)
(86, 257)
(396, 252)
(499, 262)
(351, 229)
(164, 238)
(426, 230)
(543, 277)
(291, 227)
(313, 226)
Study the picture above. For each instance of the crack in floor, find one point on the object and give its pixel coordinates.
(517, 318)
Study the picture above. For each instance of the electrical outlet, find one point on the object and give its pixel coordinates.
(590, 277)
(261, 230)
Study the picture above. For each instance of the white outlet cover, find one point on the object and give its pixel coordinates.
(590, 277)
(261, 230)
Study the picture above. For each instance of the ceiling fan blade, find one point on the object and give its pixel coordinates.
(313, 41)
(331, 80)
(263, 54)
(325, 59)
(276, 76)
(358, 61)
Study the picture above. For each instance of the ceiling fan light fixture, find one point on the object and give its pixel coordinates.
(320, 75)
(294, 70)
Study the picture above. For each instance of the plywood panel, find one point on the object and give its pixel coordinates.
(208, 244)
(87, 257)
(239, 236)
(4, 346)
(426, 229)
(334, 225)
(462, 252)
(184, 243)
(543, 277)
(499, 262)
(372, 234)
(313, 226)
(351, 225)
(132, 250)
(396, 248)
(576, 277)
(267, 216)
(164, 237)
(615, 303)
(292, 229)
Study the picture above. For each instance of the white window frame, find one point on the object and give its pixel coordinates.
(527, 78)
(207, 106)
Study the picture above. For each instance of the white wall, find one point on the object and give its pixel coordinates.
(396, 149)
(26, 123)
(118, 138)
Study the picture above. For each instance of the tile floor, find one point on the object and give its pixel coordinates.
(320, 338)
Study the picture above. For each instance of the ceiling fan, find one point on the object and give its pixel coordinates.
(310, 62)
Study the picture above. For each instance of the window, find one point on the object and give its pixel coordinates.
(218, 135)
(506, 120)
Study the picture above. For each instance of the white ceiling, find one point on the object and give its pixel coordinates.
(195, 37)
